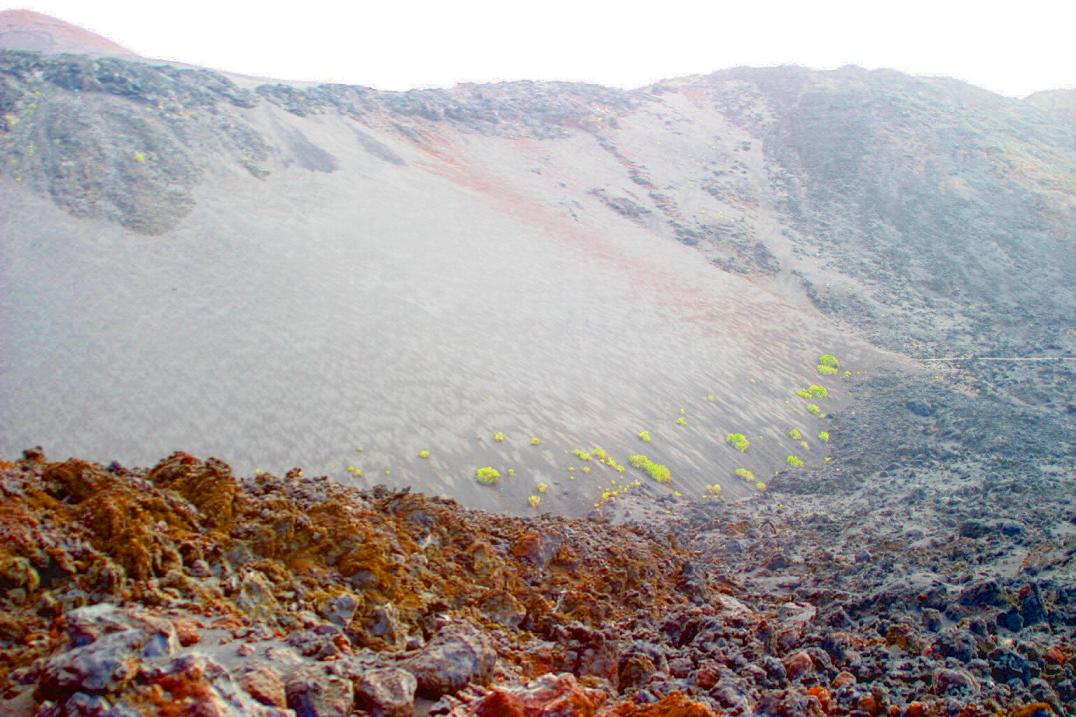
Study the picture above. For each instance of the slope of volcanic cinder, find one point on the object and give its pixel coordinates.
(28, 30)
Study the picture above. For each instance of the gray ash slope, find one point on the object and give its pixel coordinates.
(707, 234)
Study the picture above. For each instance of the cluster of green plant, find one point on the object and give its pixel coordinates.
(713, 488)
(423, 454)
(357, 472)
(581, 454)
(745, 474)
(761, 486)
(817, 391)
(795, 434)
(681, 421)
(846, 375)
(644, 436)
(606, 459)
(535, 441)
(585, 469)
(738, 441)
(542, 487)
(534, 500)
(657, 471)
(487, 475)
(499, 437)
(814, 410)
(823, 436)
(794, 461)
(827, 364)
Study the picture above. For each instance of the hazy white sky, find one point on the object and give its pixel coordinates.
(1014, 48)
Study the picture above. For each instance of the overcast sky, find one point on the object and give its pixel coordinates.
(1014, 48)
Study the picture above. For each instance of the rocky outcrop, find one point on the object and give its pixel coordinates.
(296, 596)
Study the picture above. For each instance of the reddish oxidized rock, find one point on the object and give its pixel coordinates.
(265, 686)
(386, 692)
(547, 695)
(797, 664)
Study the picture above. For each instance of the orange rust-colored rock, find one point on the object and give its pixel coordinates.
(823, 696)
(208, 485)
(844, 678)
(1055, 655)
(915, 709)
(178, 530)
(798, 663)
(673, 705)
(548, 695)
(1035, 709)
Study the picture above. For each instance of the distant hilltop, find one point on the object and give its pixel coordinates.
(28, 30)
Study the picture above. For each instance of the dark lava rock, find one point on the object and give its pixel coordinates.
(919, 408)
(956, 643)
(1011, 620)
(985, 593)
(456, 656)
(949, 682)
(976, 529)
(315, 693)
(1007, 664)
(1032, 609)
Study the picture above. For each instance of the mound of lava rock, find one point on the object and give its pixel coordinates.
(182, 590)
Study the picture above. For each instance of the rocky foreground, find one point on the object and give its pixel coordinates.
(912, 588)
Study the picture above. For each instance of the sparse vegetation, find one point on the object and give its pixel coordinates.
(536, 441)
(710, 398)
(499, 437)
(713, 488)
(795, 434)
(542, 487)
(644, 436)
(829, 360)
(534, 500)
(745, 474)
(487, 475)
(511, 472)
(738, 441)
(823, 436)
(814, 410)
(581, 454)
(681, 421)
(657, 471)
(828, 364)
(761, 486)
(794, 461)
(423, 454)
(813, 391)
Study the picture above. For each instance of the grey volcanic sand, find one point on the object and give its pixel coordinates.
(401, 308)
